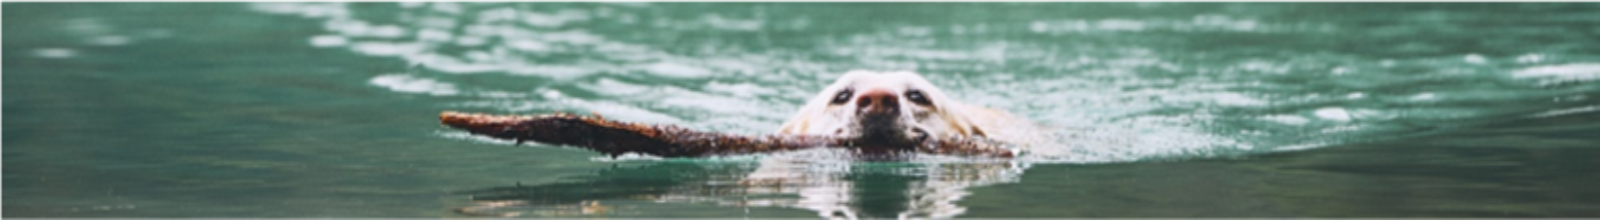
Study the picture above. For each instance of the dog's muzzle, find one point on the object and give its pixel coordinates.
(878, 112)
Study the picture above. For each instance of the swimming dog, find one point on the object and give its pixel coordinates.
(888, 109)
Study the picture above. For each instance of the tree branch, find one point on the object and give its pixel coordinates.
(616, 138)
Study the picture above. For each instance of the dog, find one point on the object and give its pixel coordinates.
(898, 107)
(884, 110)
(890, 109)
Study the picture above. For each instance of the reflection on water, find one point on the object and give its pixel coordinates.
(840, 189)
(1158, 81)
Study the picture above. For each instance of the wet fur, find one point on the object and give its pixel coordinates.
(943, 117)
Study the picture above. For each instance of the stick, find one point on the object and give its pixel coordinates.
(616, 138)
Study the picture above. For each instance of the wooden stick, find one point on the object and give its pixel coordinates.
(616, 138)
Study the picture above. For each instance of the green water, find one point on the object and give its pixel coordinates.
(1155, 109)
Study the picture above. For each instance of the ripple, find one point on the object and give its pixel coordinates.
(676, 70)
(329, 41)
(55, 53)
(1563, 73)
(412, 84)
(1199, 23)
(1567, 111)
(1333, 113)
(551, 20)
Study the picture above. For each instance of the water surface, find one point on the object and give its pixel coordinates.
(1153, 109)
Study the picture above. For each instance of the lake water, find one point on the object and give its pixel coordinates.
(1154, 109)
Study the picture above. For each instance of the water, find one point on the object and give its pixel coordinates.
(1156, 109)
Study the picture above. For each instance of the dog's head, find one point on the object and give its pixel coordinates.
(890, 107)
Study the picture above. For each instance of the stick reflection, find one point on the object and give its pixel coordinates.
(832, 189)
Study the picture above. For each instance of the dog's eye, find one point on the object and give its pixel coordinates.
(916, 96)
(842, 97)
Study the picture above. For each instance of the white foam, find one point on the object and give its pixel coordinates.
(1530, 58)
(1200, 23)
(1551, 74)
(558, 72)
(553, 20)
(386, 31)
(528, 45)
(387, 48)
(356, 28)
(1236, 99)
(1567, 111)
(1287, 119)
(410, 84)
(55, 53)
(720, 22)
(1475, 59)
(744, 90)
(308, 10)
(676, 70)
(1426, 96)
(329, 41)
(625, 4)
(612, 87)
(1333, 113)
(435, 35)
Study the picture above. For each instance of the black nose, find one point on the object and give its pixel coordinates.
(878, 102)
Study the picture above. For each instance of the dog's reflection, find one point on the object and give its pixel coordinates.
(838, 190)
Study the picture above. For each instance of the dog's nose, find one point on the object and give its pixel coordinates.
(878, 101)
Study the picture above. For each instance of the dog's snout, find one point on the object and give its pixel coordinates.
(878, 101)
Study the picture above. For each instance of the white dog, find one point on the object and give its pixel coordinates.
(889, 108)
(899, 106)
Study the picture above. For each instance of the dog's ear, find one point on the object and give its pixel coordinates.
(795, 126)
(959, 122)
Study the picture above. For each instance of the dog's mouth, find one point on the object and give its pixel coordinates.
(887, 132)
